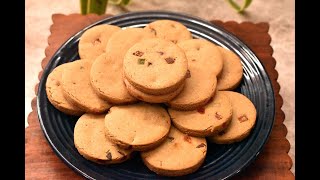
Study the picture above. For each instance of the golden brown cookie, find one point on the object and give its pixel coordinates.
(206, 121)
(179, 155)
(203, 55)
(141, 126)
(205, 62)
(106, 72)
(170, 30)
(92, 143)
(55, 93)
(108, 88)
(121, 41)
(243, 119)
(93, 41)
(77, 87)
(232, 71)
(150, 97)
(155, 66)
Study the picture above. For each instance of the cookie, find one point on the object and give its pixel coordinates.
(243, 119)
(120, 42)
(179, 155)
(150, 97)
(55, 93)
(155, 66)
(203, 55)
(232, 71)
(77, 87)
(92, 143)
(106, 82)
(139, 126)
(170, 30)
(93, 41)
(205, 63)
(106, 72)
(207, 120)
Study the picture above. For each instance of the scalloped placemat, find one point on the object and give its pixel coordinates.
(272, 163)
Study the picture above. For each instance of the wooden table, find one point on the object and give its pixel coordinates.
(272, 163)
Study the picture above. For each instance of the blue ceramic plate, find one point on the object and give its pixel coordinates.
(222, 161)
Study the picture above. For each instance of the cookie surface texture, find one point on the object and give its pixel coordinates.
(205, 62)
(56, 95)
(93, 41)
(232, 70)
(138, 126)
(77, 87)
(92, 144)
(206, 121)
(179, 155)
(155, 66)
(106, 83)
(243, 119)
(170, 30)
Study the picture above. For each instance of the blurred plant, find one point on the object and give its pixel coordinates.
(240, 9)
(99, 6)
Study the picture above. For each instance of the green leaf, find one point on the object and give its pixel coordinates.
(120, 2)
(125, 2)
(240, 9)
(83, 6)
(97, 6)
(115, 2)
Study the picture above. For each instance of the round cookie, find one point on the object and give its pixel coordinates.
(121, 41)
(203, 55)
(155, 66)
(77, 87)
(108, 88)
(149, 97)
(92, 143)
(232, 70)
(141, 126)
(179, 155)
(207, 121)
(170, 30)
(205, 62)
(93, 41)
(243, 119)
(55, 93)
(106, 71)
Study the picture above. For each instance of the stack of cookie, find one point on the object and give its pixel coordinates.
(155, 70)
(154, 90)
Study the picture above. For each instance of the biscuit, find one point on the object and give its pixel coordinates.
(155, 66)
(93, 41)
(170, 30)
(205, 62)
(179, 155)
(106, 83)
(92, 143)
(203, 55)
(139, 126)
(77, 87)
(232, 71)
(150, 97)
(55, 93)
(206, 121)
(106, 72)
(243, 119)
(121, 41)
